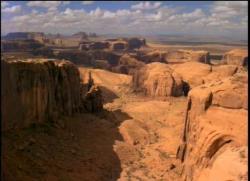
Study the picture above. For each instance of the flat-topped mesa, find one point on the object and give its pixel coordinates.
(216, 128)
(188, 55)
(157, 79)
(237, 57)
(38, 90)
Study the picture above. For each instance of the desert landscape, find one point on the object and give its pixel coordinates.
(94, 107)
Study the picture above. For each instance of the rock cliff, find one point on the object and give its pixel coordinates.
(236, 57)
(188, 55)
(215, 129)
(38, 90)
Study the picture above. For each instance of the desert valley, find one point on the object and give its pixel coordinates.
(89, 107)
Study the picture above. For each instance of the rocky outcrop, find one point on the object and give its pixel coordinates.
(188, 55)
(127, 44)
(236, 57)
(112, 57)
(39, 90)
(77, 57)
(215, 128)
(119, 45)
(157, 79)
(98, 45)
(135, 43)
(20, 45)
(220, 72)
(193, 72)
(153, 56)
(92, 101)
(127, 65)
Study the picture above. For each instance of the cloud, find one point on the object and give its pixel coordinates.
(146, 5)
(144, 17)
(229, 9)
(87, 2)
(66, 2)
(14, 9)
(4, 4)
(50, 5)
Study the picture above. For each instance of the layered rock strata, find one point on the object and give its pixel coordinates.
(215, 131)
(39, 90)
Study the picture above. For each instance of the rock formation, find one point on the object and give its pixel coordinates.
(98, 45)
(77, 57)
(193, 72)
(134, 43)
(158, 79)
(39, 90)
(20, 45)
(127, 64)
(236, 57)
(152, 56)
(220, 72)
(215, 129)
(188, 55)
(127, 43)
(119, 45)
(112, 57)
(92, 100)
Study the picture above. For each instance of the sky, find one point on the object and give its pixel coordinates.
(222, 18)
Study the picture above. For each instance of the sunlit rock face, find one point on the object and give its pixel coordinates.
(215, 130)
(158, 79)
(236, 57)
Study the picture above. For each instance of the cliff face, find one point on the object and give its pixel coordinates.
(157, 79)
(215, 129)
(38, 90)
(236, 57)
(188, 55)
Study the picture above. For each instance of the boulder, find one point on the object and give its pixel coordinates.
(157, 79)
(236, 57)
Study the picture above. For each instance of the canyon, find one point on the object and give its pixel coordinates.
(124, 109)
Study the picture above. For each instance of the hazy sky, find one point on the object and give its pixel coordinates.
(124, 17)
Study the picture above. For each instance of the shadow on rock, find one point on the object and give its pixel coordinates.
(72, 148)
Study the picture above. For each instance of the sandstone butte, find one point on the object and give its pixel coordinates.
(43, 90)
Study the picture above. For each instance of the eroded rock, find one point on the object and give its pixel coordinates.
(158, 79)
